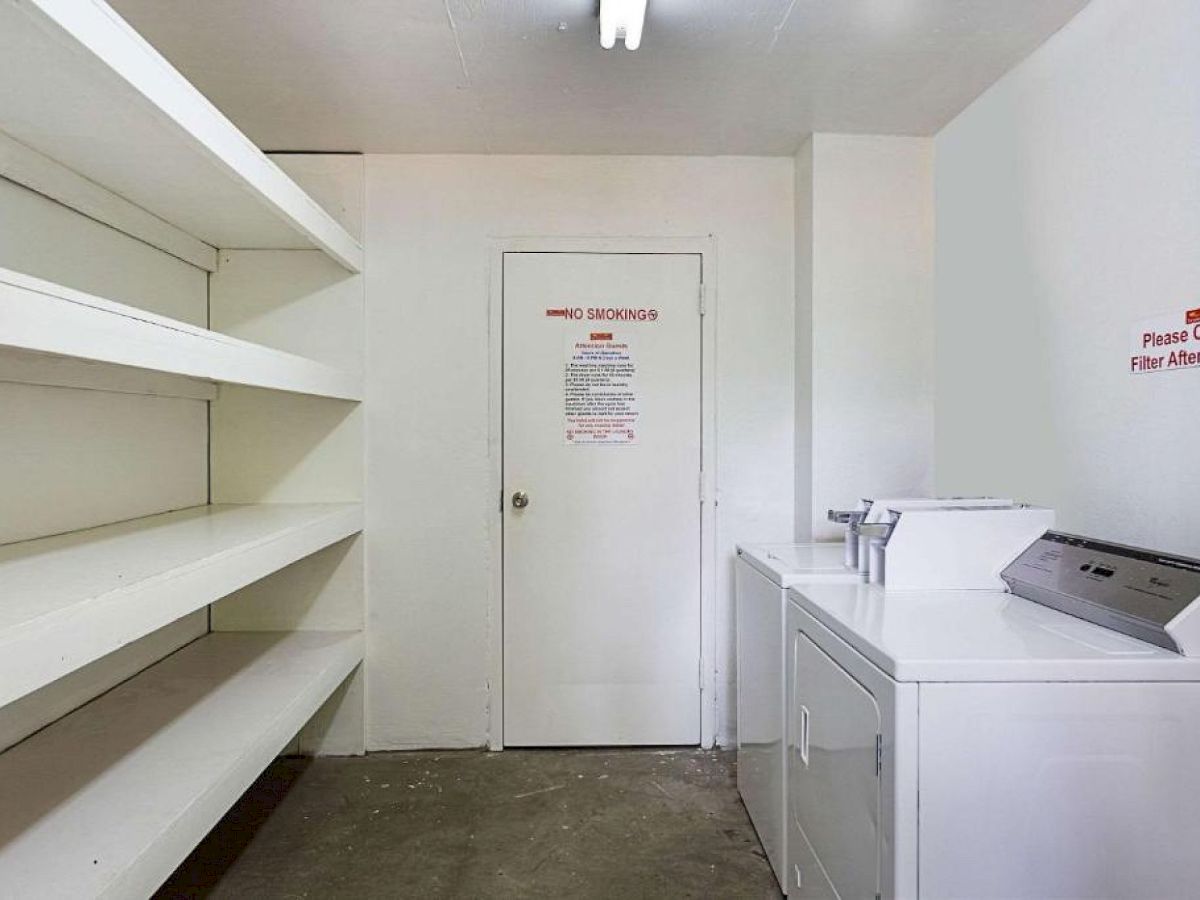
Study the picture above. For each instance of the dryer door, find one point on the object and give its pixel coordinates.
(833, 778)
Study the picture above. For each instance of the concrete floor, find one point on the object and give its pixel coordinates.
(522, 823)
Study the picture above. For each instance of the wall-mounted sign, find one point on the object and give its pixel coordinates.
(1165, 343)
(599, 389)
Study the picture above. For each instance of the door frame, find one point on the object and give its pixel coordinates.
(705, 247)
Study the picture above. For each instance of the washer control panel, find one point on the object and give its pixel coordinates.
(1131, 590)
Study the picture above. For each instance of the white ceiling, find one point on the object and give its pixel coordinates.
(528, 76)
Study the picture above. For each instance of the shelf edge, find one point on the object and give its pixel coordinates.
(97, 28)
(73, 324)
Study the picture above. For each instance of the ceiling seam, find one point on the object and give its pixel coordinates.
(462, 62)
(779, 28)
(462, 59)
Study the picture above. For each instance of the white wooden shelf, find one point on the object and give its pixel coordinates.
(70, 599)
(82, 88)
(44, 317)
(109, 800)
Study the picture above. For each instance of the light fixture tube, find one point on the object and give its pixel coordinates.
(622, 19)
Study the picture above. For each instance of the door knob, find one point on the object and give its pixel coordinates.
(520, 500)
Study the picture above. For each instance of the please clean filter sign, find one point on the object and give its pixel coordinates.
(1165, 343)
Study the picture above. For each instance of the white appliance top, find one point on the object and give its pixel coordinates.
(788, 564)
(982, 636)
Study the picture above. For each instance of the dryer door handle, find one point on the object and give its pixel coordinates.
(802, 743)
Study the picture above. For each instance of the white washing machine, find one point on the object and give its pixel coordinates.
(981, 744)
(764, 572)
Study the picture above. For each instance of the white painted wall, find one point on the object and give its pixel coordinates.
(47, 240)
(803, 234)
(430, 220)
(73, 458)
(868, 205)
(1068, 207)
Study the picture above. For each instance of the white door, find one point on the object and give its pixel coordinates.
(832, 778)
(602, 415)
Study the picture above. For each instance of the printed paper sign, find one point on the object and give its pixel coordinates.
(600, 389)
(1165, 343)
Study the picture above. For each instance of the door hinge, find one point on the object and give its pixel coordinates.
(878, 755)
(703, 299)
(700, 674)
(701, 487)
(501, 501)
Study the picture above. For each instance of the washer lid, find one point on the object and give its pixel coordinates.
(788, 564)
(982, 636)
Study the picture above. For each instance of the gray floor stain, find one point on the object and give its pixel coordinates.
(522, 823)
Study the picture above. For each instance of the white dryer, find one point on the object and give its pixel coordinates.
(951, 744)
(764, 572)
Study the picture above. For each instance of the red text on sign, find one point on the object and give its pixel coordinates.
(605, 313)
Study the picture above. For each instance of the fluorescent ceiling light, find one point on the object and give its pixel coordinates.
(622, 19)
